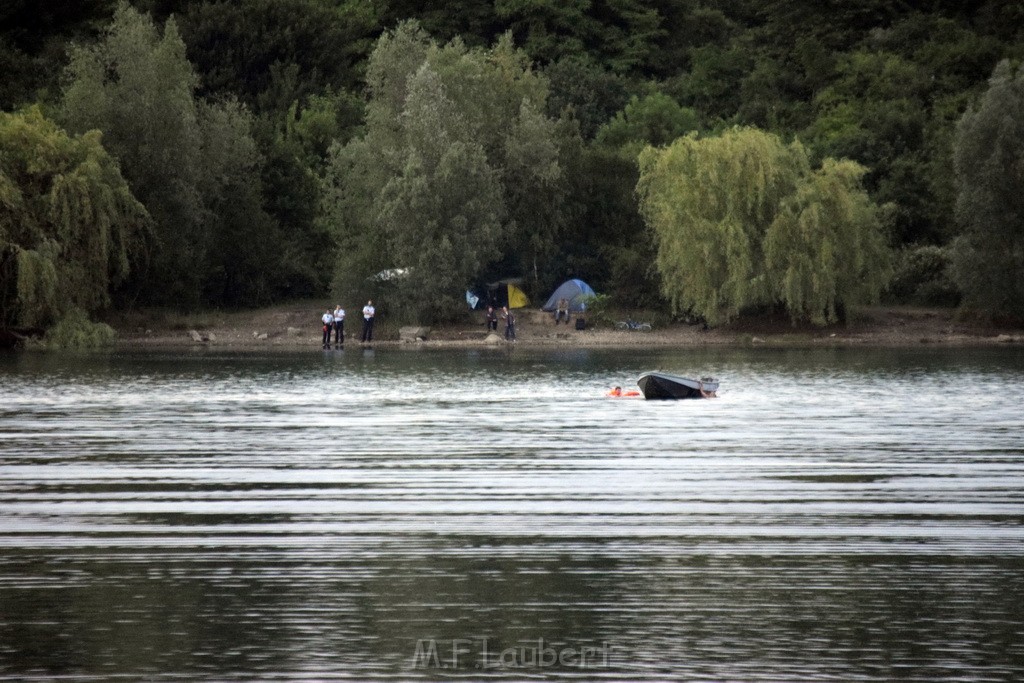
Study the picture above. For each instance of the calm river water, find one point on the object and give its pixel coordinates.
(835, 515)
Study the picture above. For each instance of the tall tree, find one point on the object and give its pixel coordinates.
(988, 261)
(243, 260)
(137, 87)
(459, 165)
(612, 247)
(742, 220)
(69, 226)
(194, 166)
(444, 206)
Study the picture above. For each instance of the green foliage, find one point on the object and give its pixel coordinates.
(472, 20)
(585, 91)
(33, 37)
(623, 32)
(710, 202)
(892, 105)
(742, 220)
(242, 263)
(352, 179)
(137, 88)
(76, 331)
(36, 284)
(296, 147)
(988, 260)
(325, 119)
(603, 186)
(656, 120)
(922, 276)
(710, 84)
(454, 202)
(292, 193)
(195, 166)
(775, 93)
(270, 53)
(880, 83)
(625, 260)
(598, 309)
(634, 274)
(876, 113)
(458, 165)
(69, 226)
(824, 249)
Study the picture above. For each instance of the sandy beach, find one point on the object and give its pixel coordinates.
(297, 326)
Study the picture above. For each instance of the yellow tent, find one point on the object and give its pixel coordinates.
(507, 293)
(517, 298)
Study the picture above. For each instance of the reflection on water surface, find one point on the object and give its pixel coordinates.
(843, 514)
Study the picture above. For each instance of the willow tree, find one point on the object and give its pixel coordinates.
(742, 220)
(710, 201)
(825, 248)
(69, 225)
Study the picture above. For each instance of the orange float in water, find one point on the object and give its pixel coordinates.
(617, 392)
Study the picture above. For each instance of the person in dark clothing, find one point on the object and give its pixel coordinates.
(492, 319)
(510, 324)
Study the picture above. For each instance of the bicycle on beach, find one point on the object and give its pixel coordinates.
(633, 325)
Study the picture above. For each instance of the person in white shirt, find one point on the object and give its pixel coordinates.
(339, 326)
(368, 313)
(328, 321)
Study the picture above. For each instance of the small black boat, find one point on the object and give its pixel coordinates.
(658, 385)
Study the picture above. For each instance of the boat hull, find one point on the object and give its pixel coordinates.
(661, 386)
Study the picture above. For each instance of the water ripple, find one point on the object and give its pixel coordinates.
(835, 515)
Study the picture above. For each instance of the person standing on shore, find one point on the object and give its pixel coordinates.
(492, 320)
(510, 323)
(368, 314)
(328, 321)
(339, 326)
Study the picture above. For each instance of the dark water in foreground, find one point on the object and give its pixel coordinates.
(835, 515)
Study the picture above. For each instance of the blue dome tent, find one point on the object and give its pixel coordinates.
(576, 291)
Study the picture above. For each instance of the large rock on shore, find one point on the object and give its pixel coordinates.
(413, 333)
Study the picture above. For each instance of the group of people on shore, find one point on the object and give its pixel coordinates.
(491, 317)
(335, 321)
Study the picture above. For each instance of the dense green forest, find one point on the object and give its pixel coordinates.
(704, 157)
